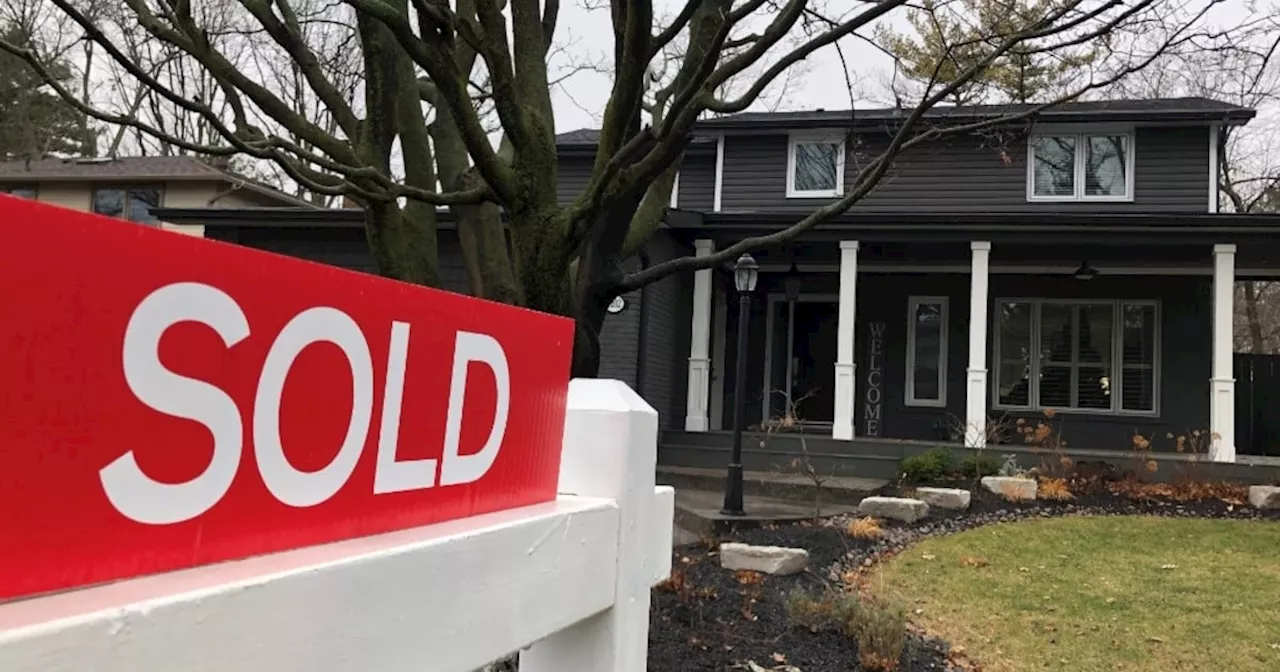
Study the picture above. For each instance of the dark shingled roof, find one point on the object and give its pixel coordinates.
(1190, 109)
(125, 167)
(1157, 109)
(134, 169)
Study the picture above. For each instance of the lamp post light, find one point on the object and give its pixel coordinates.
(745, 274)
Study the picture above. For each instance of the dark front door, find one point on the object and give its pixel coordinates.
(815, 358)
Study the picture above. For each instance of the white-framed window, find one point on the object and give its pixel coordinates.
(675, 191)
(1095, 166)
(1088, 355)
(815, 165)
(927, 351)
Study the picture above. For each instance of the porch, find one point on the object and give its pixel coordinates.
(881, 335)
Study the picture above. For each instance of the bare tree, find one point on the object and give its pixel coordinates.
(433, 70)
(1243, 69)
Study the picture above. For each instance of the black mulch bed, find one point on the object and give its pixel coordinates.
(713, 622)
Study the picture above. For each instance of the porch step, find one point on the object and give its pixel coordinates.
(792, 487)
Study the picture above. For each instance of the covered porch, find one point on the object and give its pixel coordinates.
(881, 334)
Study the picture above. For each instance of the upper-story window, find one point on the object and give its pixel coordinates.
(1080, 167)
(815, 165)
(131, 203)
(20, 190)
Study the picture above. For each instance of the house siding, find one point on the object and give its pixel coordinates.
(697, 179)
(346, 248)
(968, 173)
(668, 315)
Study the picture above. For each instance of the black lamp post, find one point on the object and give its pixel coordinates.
(745, 274)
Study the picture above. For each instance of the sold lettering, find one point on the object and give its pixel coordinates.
(145, 500)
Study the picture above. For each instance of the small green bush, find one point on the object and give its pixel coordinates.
(978, 465)
(930, 465)
(879, 627)
(809, 610)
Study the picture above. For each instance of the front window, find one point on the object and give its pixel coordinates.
(927, 351)
(20, 191)
(815, 166)
(1097, 356)
(132, 203)
(1081, 166)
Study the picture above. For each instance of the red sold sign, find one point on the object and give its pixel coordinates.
(167, 402)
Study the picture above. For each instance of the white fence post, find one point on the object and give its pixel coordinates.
(568, 579)
(610, 450)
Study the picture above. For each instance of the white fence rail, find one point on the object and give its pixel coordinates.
(567, 582)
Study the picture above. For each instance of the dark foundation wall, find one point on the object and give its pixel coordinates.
(1185, 333)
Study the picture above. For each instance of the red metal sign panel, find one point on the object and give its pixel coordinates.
(167, 401)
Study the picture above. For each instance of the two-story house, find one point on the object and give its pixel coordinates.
(1074, 261)
(132, 188)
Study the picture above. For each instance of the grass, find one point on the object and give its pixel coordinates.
(1135, 594)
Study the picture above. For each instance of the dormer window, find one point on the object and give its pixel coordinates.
(1080, 167)
(815, 165)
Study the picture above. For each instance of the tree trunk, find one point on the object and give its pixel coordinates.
(1257, 344)
(404, 247)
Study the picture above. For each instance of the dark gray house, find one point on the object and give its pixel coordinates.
(1075, 260)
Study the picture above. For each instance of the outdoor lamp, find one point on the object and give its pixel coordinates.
(745, 273)
(1085, 272)
(791, 283)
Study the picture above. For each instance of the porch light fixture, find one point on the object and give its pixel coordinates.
(1085, 272)
(745, 274)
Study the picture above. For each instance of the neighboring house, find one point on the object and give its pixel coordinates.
(132, 187)
(1074, 261)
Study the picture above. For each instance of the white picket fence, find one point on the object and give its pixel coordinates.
(567, 583)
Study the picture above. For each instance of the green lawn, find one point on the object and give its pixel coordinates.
(1133, 593)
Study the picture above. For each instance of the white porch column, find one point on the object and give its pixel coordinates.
(975, 405)
(695, 419)
(1222, 384)
(842, 428)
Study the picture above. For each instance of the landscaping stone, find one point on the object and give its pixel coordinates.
(1010, 487)
(895, 508)
(954, 499)
(775, 560)
(1264, 496)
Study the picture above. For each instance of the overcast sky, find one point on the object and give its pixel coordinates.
(580, 100)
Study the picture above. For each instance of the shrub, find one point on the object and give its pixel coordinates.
(864, 528)
(809, 610)
(978, 465)
(1054, 489)
(930, 465)
(879, 627)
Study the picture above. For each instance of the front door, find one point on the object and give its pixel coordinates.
(807, 372)
(814, 370)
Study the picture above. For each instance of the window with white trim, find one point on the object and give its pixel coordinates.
(1080, 167)
(927, 351)
(1095, 356)
(815, 166)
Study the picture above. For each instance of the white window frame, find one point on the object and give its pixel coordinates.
(1117, 349)
(1081, 138)
(675, 191)
(810, 137)
(944, 349)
